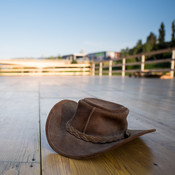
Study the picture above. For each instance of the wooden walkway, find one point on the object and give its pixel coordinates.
(26, 101)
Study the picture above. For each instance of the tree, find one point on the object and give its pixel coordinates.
(173, 31)
(139, 43)
(151, 39)
(150, 42)
(124, 52)
(162, 34)
(59, 57)
(139, 47)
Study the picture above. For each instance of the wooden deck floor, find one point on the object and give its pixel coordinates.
(26, 101)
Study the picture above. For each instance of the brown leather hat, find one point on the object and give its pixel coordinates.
(88, 128)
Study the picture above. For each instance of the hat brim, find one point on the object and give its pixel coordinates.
(70, 146)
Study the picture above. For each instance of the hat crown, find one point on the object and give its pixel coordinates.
(99, 121)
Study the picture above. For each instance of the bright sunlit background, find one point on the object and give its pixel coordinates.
(39, 28)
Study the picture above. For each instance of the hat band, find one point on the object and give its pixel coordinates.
(96, 139)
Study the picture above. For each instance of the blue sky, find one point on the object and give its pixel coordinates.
(35, 28)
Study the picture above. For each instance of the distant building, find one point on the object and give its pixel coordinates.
(106, 55)
(96, 56)
(75, 56)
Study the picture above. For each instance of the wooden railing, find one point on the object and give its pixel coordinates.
(120, 66)
(43, 67)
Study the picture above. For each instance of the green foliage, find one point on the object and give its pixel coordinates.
(162, 33)
(51, 58)
(54, 58)
(59, 57)
(151, 44)
(74, 62)
(138, 48)
(157, 65)
(124, 52)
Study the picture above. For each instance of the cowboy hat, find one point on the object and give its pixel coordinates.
(88, 128)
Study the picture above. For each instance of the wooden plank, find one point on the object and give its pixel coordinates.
(117, 65)
(19, 124)
(131, 70)
(151, 103)
(145, 71)
(49, 70)
(146, 98)
(160, 70)
(16, 168)
(19, 129)
(42, 63)
(53, 88)
(9, 66)
(68, 69)
(47, 73)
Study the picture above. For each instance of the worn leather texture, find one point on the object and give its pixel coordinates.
(89, 118)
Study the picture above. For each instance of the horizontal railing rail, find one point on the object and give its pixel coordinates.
(121, 65)
(42, 67)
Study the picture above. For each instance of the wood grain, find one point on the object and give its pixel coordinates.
(16, 168)
(19, 128)
(146, 98)
(26, 100)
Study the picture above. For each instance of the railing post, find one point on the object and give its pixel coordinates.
(100, 69)
(172, 64)
(123, 67)
(110, 67)
(143, 63)
(93, 68)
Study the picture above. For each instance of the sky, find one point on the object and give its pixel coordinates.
(42, 28)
